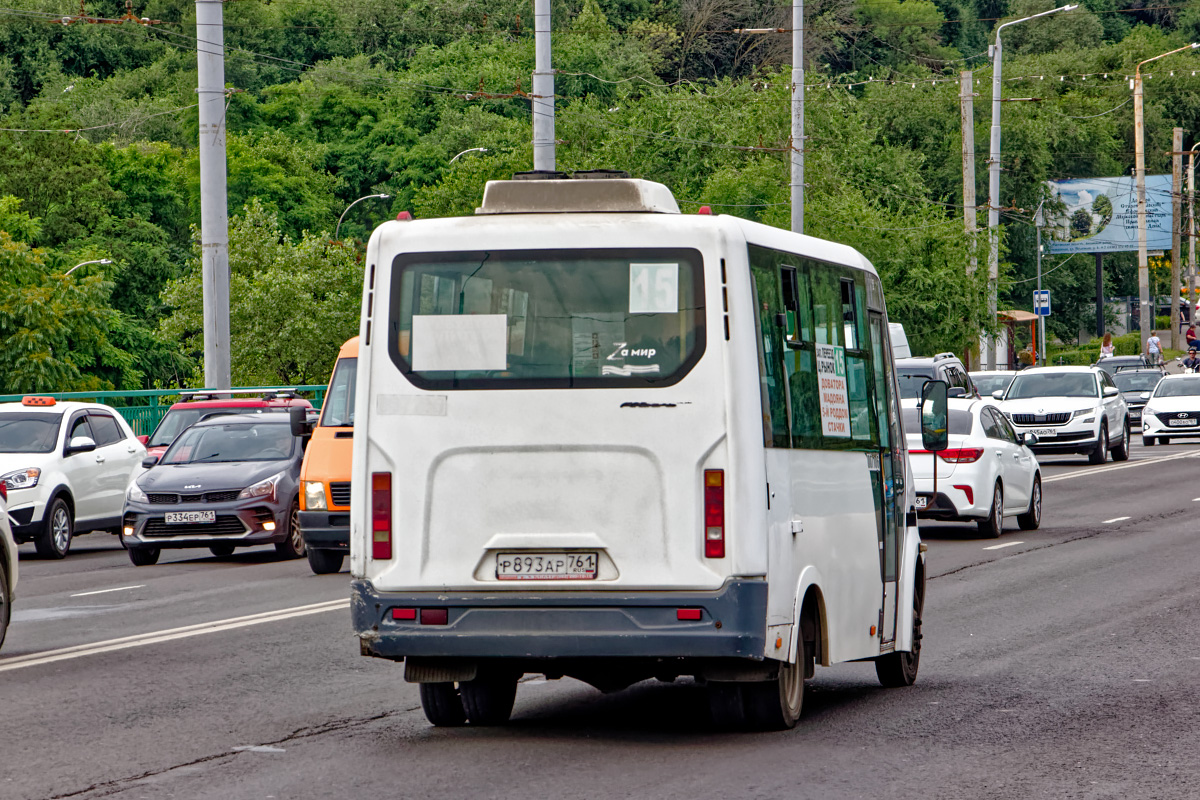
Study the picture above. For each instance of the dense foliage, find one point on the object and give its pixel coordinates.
(331, 101)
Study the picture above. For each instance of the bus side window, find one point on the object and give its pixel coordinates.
(768, 305)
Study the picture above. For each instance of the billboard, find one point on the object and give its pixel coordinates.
(1099, 215)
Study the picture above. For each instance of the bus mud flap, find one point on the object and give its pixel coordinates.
(435, 670)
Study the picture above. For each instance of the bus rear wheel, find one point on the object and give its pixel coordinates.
(488, 700)
(442, 705)
(775, 705)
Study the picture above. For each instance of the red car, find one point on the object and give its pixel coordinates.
(198, 405)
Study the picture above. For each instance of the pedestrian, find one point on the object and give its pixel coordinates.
(1191, 363)
(1154, 349)
(1106, 346)
(1190, 337)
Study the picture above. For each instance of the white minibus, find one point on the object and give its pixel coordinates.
(601, 439)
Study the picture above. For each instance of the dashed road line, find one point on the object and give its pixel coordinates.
(1002, 546)
(156, 637)
(105, 591)
(1114, 519)
(1083, 473)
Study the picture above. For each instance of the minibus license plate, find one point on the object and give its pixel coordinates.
(546, 566)
(1181, 423)
(922, 501)
(1045, 433)
(186, 517)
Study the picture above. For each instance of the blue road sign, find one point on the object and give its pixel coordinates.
(1041, 303)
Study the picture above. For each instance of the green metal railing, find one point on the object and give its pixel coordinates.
(150, 405)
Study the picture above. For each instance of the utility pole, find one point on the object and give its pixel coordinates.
(214, 204)
(1176, 228)
(1191, 293)
(1039, 221)
(966, 104)
(798, 116)
(543, 89)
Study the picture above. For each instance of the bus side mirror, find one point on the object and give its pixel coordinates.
(935, 432)
(298, 417)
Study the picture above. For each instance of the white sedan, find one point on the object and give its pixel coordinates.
(985, 474)
(1173, 411)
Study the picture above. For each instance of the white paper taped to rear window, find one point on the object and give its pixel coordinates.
(653, 288)
(443, 342)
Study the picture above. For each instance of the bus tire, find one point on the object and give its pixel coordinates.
(899, 668)
(442, 705)
(775, 705)
(489, 698)
(324, 562)
(726, 706)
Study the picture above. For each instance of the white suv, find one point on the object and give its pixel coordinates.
(8, 568)
(1070, 410)
(66, 467)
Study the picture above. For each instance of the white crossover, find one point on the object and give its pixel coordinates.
(986, 473)
(1070, 410)
(65, 467)
(1173, 411)
(8, 566)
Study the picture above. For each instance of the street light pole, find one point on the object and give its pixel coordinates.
(1192, 233)
(1146, 308)
(85, 263)
(798, 116)
(338, 231)
(1039, 220)
(996, 52)
(469, 150)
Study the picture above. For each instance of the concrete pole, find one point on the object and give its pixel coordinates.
(1176, 228)
(1191, 292)
(1145, 310)
(994, 198)
(543, 89)
(966, 104)
(798, 116)
(214, 205)
(1041, 347)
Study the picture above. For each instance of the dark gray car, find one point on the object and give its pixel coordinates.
(226, 482)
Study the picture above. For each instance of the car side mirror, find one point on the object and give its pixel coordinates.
(80, 444)
(935, 433)
(998, 394)
(149, 461)
(956, 391)
(1111, 391)
(1028, 439)
(144, 438)
(298, 417)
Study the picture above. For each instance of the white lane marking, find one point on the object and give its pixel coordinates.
(1196, 499)
(105, 591)
(156, 637)
(1141, 680)
(259, 748)
(1083, 473)
(1002, 546)
(1114, 519)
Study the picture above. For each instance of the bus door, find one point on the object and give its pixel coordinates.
(890, 464)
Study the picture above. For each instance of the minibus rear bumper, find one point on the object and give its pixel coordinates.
(731, 623)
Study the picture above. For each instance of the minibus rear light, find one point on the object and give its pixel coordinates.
(407, 614)
(714, 513)
(688, 614)
(434, 616)
(381, 515)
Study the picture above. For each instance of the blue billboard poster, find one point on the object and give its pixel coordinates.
(1099, 215)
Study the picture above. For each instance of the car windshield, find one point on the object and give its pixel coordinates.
(234, 441)
(1053, 384)
(178, 420)
(1184, 387)
(1137, 381)
(960, 422)
(28, 432)
(338, 409)
(912, 379)
(986, 384)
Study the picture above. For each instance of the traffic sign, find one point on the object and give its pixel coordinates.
(1041, 303)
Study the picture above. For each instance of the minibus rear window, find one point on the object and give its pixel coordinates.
(547, 318)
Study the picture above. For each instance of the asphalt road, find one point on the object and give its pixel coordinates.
(1057, 663)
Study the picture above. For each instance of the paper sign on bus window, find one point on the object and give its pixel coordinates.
(459, 342)
(831, 385)
(653, 288)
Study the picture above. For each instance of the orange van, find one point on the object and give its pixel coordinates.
(325, 475)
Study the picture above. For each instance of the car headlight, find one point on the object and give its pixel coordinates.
(22, 478)
(314, 496)
(136, 495)
(1083, 411)
(261, 489)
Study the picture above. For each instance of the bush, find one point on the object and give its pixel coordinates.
(1129, 344)
(1162, 322)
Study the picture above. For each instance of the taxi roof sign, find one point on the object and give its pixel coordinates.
(37, 401)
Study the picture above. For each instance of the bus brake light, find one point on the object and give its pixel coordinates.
(714, 513)
(381, 515)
